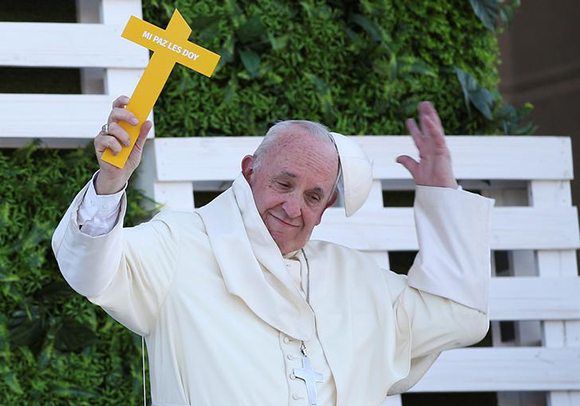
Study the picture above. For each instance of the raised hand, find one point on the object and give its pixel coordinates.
(434, 168)
(112, 179)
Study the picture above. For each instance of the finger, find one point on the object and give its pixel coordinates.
(423, 117)
(119, 114)
(104, 141)
(436, 132)
(433, 114)
(415, 132)
(120, 134)
(409, 163)
(145, 128)
(121, 102)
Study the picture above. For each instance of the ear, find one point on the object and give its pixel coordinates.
(332, 200)
(328, 204)
(248, 167)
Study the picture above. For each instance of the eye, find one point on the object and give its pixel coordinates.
(283, 185)
(314, 198)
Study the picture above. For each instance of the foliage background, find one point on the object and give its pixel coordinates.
(358, 67)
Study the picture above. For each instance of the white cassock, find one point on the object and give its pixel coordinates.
(224, 314)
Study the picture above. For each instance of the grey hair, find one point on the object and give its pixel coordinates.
(317, 130)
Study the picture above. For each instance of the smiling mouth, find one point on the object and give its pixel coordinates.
(283, 222)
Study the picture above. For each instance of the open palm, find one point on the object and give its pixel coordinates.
(434, 167)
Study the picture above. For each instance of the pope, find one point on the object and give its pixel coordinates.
(239, 306)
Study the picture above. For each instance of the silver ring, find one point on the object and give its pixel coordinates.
(105, 128)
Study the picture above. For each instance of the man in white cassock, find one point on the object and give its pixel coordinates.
(239, 307)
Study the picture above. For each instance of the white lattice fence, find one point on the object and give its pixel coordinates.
(110, 66)
(537, 292)
(533, 222)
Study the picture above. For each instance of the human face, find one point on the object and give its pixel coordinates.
(292, 186)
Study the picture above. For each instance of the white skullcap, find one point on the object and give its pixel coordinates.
(357, 173)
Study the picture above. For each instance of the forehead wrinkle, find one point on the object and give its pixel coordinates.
(301, 149)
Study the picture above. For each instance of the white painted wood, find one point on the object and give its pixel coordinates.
(69, 45)
(88, 11)
(119, 11)
(53, 116)
(121, 81)
(218, 158)
(531, 298)
(375, 202)
(176, 196)
(503, 369)
(511, 228)
(557, 263)
(58, 117)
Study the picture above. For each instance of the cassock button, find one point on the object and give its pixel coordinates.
(287, 340)
(296, 396)
(292, 376)
(290, 356)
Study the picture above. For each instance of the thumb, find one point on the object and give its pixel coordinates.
(409, 163)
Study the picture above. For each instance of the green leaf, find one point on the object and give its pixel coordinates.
(251, 61)
(27, 332)
(73, 336)
(487, 11)
(8, 277)
(206, 27)
(12, 382)
(278, 43)
(252, 31)
(474, 94)
(366, 24)
(482, 99)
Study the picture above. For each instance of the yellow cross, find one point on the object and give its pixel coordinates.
(169, 46)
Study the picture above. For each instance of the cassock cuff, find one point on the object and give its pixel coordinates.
(453, 231)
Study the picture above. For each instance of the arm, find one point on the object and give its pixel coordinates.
(127, 271)
(443, 302)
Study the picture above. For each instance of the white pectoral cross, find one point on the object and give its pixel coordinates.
(310, 377)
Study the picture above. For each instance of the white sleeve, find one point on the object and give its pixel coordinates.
(443, 302)
(126, 271)
(98, 214)
(453, 230)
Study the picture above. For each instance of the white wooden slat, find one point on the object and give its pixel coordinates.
(394, 229)
(121, 81)
(557, 195)
(117, 11)
(53, 116)
(503, 369)
(531, 298)
(69, 45)
(177, 196)
(218, 158)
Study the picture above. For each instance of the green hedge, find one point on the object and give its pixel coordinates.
(359, 67)
(55, 347)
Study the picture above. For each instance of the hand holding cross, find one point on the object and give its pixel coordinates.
(127, 128)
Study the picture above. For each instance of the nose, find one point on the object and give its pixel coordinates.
(292, 205)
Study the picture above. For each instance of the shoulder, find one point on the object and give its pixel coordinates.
(170, 223)
(353, 265)
(324, 248)
(180, 219)
(345, 260)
